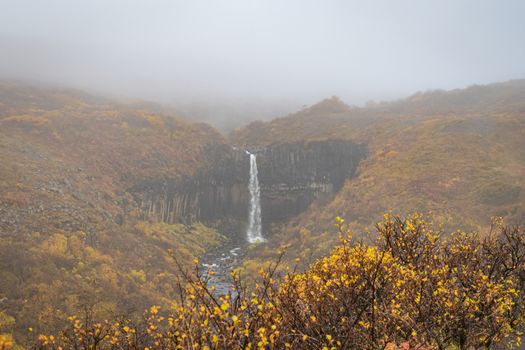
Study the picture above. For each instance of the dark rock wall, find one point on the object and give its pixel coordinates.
(291, 176)
(218, 190)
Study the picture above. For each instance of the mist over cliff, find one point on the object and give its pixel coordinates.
(165, 163)
(246, 60)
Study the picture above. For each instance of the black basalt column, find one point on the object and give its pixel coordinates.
(292, 176)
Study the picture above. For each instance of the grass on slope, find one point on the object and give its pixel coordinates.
(463, 167)
(70, 235)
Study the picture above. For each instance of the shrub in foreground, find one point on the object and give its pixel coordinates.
(414, 288)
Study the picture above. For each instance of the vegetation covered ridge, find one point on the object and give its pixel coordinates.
(71, 230)
(458, 154)
(416, 287)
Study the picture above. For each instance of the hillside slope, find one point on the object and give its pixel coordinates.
(70, 233)
(98, 198)
(459, 154)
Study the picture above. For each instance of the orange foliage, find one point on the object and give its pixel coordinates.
(414, 289)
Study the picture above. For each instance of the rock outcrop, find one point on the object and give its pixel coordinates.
(218, 190)
(294, 175)
(291, 177)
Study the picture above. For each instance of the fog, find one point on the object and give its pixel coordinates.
(281, 54)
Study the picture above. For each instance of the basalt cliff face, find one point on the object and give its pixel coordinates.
(218, 190)
(291, 176)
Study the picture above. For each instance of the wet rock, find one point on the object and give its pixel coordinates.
(291, 176)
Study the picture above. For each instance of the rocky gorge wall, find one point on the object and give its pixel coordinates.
(291, 176)
(218, 190)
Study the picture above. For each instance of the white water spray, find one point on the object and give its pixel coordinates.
(254, 232)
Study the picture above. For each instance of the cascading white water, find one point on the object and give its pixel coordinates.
(254, 232)
(221, 264)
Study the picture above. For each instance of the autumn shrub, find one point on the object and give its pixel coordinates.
(415, 288)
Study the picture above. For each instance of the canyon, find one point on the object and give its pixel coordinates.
(105, 202)
(291, 177)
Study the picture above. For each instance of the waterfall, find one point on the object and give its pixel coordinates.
(254, 232)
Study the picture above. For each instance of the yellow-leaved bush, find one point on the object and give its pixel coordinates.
(414, 288)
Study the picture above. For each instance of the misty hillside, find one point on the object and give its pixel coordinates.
(458, 154)
(335, 115)
(262, 175)
(71, 232)
(100, 200)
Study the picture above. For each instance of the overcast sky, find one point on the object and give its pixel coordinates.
(191, 51)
